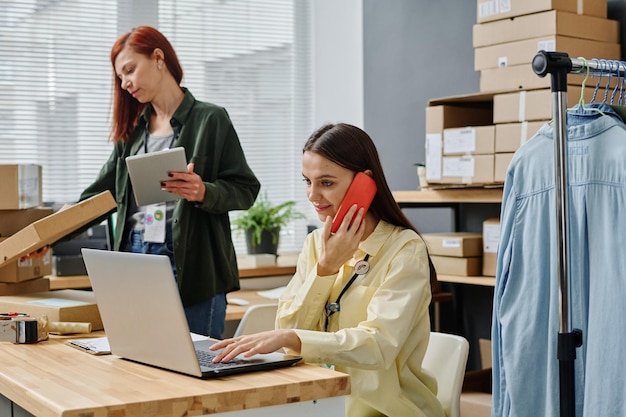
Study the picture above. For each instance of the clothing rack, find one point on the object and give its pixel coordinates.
(558, 65)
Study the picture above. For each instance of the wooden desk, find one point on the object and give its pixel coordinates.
(82, 281)
(236, 312)
(51, 379)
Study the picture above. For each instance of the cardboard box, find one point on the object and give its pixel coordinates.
(469, 140)
(25, 287)
(27, 269)
(460, 244)
(452, 265)
(510, 136)
(12, 221)
(52, 228)
(502, 161)
(519, 77)
(489, 10)
(440, 117)
(522, 52)
(20, 186)
(552, 22)
(60, 305)
(534, 105)
(469, 169)
(491, 238)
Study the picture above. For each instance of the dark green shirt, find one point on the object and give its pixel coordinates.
(203, 249)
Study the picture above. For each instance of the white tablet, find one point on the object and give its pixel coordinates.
(146, 172)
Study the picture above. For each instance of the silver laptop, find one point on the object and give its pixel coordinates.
(144, 319)
(146, 171)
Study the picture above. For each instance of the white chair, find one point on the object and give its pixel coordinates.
(446, 358)
(257, 318)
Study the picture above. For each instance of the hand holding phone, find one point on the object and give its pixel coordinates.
(361, 192)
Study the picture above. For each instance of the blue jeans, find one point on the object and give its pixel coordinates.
(207, 317)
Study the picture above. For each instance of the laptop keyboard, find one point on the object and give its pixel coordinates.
(206, 359)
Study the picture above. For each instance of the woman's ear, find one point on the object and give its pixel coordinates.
(158, 56)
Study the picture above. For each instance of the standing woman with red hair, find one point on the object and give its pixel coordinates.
(152, 112)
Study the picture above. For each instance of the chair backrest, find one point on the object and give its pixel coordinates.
(257, 318)
(446, 358)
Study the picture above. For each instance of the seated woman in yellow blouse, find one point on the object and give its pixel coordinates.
(380, 329)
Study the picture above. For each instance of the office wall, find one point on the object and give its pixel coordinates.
(338, 61)
(413, 51)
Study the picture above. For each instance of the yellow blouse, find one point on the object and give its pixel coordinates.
(380, 335)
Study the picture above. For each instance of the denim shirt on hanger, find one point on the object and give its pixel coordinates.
(526, 311)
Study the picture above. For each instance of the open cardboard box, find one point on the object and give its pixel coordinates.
(50, 229)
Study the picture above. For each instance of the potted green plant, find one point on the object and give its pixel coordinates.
(262, 222)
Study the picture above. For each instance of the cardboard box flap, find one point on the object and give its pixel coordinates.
(55, 226)
(472, 99)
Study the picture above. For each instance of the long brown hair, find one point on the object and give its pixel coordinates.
(126, 110)
(353, 149)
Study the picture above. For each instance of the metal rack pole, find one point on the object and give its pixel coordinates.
(559, 65)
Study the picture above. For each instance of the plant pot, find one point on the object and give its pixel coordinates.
(268, 244)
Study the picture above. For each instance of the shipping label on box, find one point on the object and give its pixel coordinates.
(488, 10)
(468, 169)
(460, 244)
(545, 24)
(20, 186)
(469, 140)
(491, 239)
(433, 157)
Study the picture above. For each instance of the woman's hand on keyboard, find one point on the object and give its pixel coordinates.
(258, 343)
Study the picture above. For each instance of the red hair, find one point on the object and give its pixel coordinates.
(126, 110)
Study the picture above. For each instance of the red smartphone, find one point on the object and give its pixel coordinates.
(361, 192)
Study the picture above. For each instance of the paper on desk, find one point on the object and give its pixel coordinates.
(93, 345)
(100, 345)
(272, 294)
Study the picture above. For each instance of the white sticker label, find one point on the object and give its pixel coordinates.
(451, 243)
(548, 45)
(461, 140)
(491, 237)
(433, 156)
(503, 62)
(487, 8)
(458, 166)
(505, 6)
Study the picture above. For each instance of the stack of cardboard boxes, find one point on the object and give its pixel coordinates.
(506, 38)
(20, 187)
(455, 253)
(26, 232)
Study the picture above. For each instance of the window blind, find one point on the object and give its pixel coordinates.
(250, 56)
